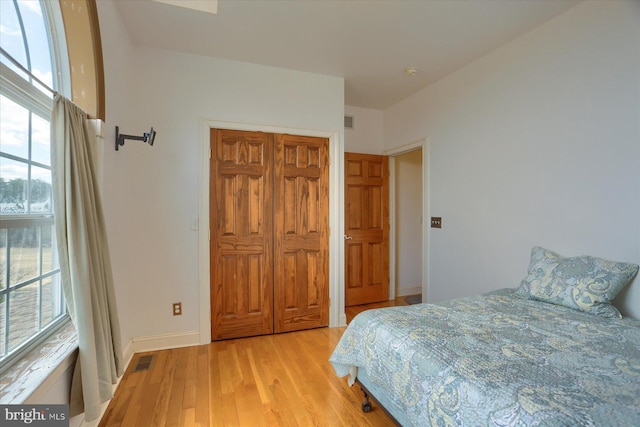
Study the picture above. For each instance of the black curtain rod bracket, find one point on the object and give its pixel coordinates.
(147, 137)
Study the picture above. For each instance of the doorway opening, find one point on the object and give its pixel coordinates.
(408, 232)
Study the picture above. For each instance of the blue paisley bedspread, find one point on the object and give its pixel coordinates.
(498, 360)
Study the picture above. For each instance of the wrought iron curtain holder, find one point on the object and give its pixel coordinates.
(147, 137)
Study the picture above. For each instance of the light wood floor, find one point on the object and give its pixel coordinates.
(274, 380)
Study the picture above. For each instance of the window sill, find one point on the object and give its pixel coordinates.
(44, 364)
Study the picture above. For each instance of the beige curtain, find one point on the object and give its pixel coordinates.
(84, 259)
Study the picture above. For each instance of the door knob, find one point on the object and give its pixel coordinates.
(347, 237)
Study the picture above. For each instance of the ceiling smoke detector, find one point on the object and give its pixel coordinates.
(411, 71)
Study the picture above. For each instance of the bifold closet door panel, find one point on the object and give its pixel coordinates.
(241, 221)
(301, 238)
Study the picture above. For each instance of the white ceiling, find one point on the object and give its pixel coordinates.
(368, 43)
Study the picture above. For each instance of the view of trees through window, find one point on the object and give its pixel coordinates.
(31, 301)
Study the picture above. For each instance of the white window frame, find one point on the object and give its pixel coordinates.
(14, 87)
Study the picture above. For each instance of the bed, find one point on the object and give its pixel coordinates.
(548, 353)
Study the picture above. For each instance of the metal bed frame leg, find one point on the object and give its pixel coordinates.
(366, 405)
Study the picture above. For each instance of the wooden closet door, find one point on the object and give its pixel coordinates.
(241, 219)
(301, 238)
(366, 228)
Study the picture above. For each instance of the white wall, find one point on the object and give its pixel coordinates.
(151, 194)
(537, 143)
(367, 134)
(408, 205)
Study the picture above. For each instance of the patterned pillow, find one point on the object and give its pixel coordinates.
(583, 283)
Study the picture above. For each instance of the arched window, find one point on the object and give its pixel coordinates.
(32, 63)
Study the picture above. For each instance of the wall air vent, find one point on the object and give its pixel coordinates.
(348, 122)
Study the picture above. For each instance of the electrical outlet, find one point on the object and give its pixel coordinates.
(436, 222)
(177, 309)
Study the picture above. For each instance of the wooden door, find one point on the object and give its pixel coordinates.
(301, 238)
(269, 216)
(366, 228)
(241, 221)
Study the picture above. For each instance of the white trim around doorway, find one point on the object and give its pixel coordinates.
(424, 145)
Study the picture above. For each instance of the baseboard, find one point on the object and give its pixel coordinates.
(414, 290)
(342, 320)
(127, 355)
(163, 342)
